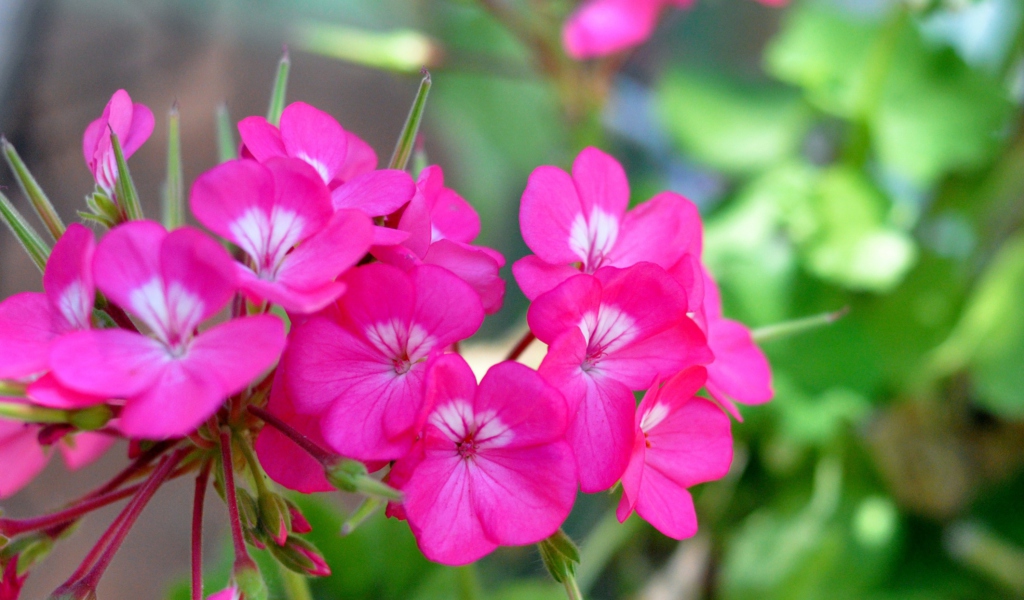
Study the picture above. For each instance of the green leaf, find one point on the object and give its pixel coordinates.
(227, 148)
(401, 50)
(35, 194)
(407, 139)
(174, 190)
(26, 235)
(280, 90)
(732, 127)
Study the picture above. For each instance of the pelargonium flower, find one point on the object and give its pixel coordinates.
(173, 381)
(611, 333)
(441, 226)
(229, 593)
(740, 371)
(133, 124)
(280, 214)
(344, 162)
(24, 457)
(492, 467)
(602, 27)
(361, 363)
(681, 440)
(579, 222)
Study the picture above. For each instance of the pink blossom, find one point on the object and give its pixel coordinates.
(173, 381)
(361, 363)
(580, 223)
(344, 162)
(230, 593)
(681, 440)
(492, 468)
(280, 214)
(24, 457)
(740, 371)
(611, 333)
(602, 27)
(440, 225)
(133, 124)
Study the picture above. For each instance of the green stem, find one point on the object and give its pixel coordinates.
(407, 140)
(359, 516)
(174, 198)
(468, 582)
(127, 194)
(35, 194)
(572, 589)
(797, 326)
(32, 414)
(10, 389)
(296, 587)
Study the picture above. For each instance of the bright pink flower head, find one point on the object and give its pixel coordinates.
(30, 322)
(231, 593)
(280, 214)
(603, 27)
(740, 371)
(362, 363)
(133, 124)
(23, 456)
(611, 333)
(492, 468)
(681, 440)
(440, 225)
(579, 223)
(174, 380)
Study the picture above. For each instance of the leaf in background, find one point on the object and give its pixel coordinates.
(732, 127)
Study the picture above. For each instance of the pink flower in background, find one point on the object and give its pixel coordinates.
(611, 333)
(579, 223)
(344, 162)
(133, 124)
(681, 440)
(280, 215)
(602, 27)
(176, 379)
(362, 362)
(24, 457)
(740, 371)
(440, 225)
(230, 593)
(492, 467)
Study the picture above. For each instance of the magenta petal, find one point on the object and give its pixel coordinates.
(237, 351)
(549, 208)
(26, 332)
(439, 506)
(445, 305)
(284, 461)
(314, 136)
(563, 308)
(659, 231)
(633, 476)
(225, 193)
(386, 236)
(524, 402)
(21, 455)
(298, 191)
(262, 139)
(112, 363)
(416, 220)
(376, 193)
(295, 301)
(140, 129)
(84, 448)
(202, 267)
(637, 364)
(666, 505)
(340, 245)
(740, 370)
(185, 394)
(473, 265)
(68, 278)
(536, 277)
(451, 216)
(377, 293)
(600, 182)
(48, 391)
(359, 160)
(602, 27)
(127, 258)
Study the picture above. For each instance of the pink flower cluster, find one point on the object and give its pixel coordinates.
(603, 27)
(381, 282)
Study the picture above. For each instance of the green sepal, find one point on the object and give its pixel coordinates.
(174, 188)
(560, 556)
(407, 139)
(227, 148)
(277, 96)
(35, 194)
(127, 195)
(37, 249)
(91, 418)
(351, 476)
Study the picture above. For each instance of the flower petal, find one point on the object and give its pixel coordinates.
(658, 231)
(26, 332)
(22, 456)
(113, 363)
(564, 307)
(549, 208)
(473, 265)
(261, 139)
(536, 277)
(314, 136)
(68, 278)
(377, 193)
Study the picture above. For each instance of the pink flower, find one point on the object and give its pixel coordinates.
(24, 457)
(361, 363)
(344, 162)
(280, 215)
(681, 440)
(440, 225)
(230, 593)
(579, 223)
(740, 371)
(492, 468)
(175, 380)
(602, 27)
(133, 124)
(611, 333)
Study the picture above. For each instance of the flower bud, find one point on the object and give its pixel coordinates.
(302, 557)
(560, 555)
(299, 522)
(351, 476)
(250, 582)
(248, 510)
(92, 418)
(274, 517)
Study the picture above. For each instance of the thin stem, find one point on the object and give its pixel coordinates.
(322, 456)
(296, 586)
(237, 537)
(521, 347)
(797, 326)
(254, 465)
(141, 462)
(13, 527)
(197, 531)
(572, 590)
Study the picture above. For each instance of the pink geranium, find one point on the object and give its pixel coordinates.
(602, 27)
(344, 162)
(579, 222)
(611, 333)
(492, 467)
(680, 441)
(24, 457)
(441, 226)
(280, 215)
(173, 381)
(230, 593)
(133, 124)
(362, 362)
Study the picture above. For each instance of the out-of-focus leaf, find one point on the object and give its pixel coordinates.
(732, 127)
(817, 421)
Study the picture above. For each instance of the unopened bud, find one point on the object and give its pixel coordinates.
(560, 555)
(250, 582)
(92, 418)
(274, 517)
(351, 476)
(302, 557)
(248, 510)
(299, 522)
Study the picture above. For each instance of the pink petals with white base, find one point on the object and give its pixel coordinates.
(492, 467)
(133, 124)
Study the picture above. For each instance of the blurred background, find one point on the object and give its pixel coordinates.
(845, 153)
